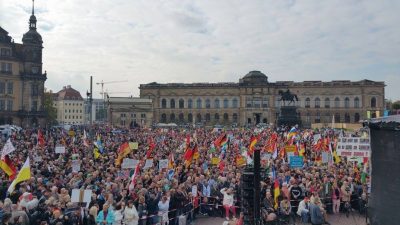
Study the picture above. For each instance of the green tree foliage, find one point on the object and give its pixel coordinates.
(51, 111)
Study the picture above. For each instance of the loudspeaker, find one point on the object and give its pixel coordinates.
(384, 200)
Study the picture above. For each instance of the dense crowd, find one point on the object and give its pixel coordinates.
(205, 182)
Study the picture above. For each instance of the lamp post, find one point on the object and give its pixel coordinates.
(90, 97)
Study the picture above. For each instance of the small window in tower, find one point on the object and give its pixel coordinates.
(35, 70)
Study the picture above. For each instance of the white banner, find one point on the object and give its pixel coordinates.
(7, 149)
(353, 147)
(163, 164)
(76, 166)
(60, 149)
(149, 164)
(128, 163)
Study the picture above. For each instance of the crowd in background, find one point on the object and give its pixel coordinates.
(205, 182)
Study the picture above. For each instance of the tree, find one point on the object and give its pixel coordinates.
(396, 105)
(51, 111)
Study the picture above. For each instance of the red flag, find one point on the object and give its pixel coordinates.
(133, 178)
(188, 154)
(151, 148)
(40, 138)
(221, 140)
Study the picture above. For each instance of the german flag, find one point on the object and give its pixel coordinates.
(221, 140)
(253, 142)
(7, 166)
(123, 151)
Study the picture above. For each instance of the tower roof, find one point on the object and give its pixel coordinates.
(32, 36)
(254, 77)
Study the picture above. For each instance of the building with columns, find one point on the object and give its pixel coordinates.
(255, 100)
(129, 111)
(22, 78)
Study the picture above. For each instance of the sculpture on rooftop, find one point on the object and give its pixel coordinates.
(286, 96)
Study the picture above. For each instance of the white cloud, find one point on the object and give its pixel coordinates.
(211, 41)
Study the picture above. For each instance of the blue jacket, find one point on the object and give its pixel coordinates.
(316, 214)
(109, 219)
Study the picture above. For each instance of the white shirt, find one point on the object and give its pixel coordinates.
(228, 199)
(131, 216)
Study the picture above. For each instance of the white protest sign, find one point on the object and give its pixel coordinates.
(7, 149)
(76, 166)
(353, 147)
(128, 163)
(80, 195)
(194, 191)
(38, 159)
(325, 157)
(60, 149)
(148, 164)
(163, 164)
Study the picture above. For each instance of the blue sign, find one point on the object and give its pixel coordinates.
(296, 161)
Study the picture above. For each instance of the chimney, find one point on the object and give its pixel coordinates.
(68, 86)
(64, 88)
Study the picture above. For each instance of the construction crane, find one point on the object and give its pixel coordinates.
(108, 82)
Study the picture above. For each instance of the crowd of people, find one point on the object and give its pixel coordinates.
(204, 182)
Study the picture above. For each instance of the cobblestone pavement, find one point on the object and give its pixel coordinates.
(339, 219)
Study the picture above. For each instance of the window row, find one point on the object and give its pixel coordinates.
(73, 111)
(336, 103)
(327, 118)
(73, 104)
(199, 103)
(199, 118)
(73, 117)
(133, 115)
(257, 102)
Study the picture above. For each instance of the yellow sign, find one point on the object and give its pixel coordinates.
(133, 145)
(290, 148)
(71, 133)
(240, 161)
(215, 161)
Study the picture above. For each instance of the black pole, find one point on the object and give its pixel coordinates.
(257, 187)
(90, 100)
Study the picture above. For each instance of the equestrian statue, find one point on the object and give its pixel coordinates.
(286, 96)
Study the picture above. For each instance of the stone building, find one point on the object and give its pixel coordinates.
(70, 106)
(255, 100)
(129, 111)
(22, 78)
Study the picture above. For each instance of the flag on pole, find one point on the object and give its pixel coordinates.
(276, 193)
(123, 151)
(96, 153)
(23, 175)
(98, 144)
(7, 166)
(171, 161)
(253, 142)
(8, 148)
(85, 139)
(133, 178)
(40, 138)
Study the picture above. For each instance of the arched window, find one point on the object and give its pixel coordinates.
(235, 103)
(163, 118)
(307, 102)
(347, 118)
(317, 103)
(190, 103)
(356, 103)
(208, 104)
(226, 103)
(337, 118)
(235, 118)
(181, 117)
(198, 118)
(337, 102)
(198, 104)
(190, 118)
(226, 117)
(172, 117)
(208, 117)
(356, 117)
(347, 103)
(181, 103)
(327, 103)
(216, 103)
(373, 102)
(216, 116)
(172, 103)
(163, 103)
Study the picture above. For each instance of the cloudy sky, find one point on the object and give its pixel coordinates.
(141, 41)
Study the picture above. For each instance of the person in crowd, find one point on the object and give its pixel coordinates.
(335, 198)
(105, 216)
(228, 202)
(131, 216)
(304, 210)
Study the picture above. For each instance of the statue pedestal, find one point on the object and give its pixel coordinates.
(288, 116)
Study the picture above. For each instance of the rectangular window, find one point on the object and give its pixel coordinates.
(6, 67)
(9, 105)
(10, 88)
(2, 105)
(143, 115)
(34, 105)
(35, 89)
(2, 88)
(257, 102)
(265, 103)
(5, 52)
(249, 102)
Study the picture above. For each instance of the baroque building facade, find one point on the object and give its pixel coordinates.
(70, 106)
(255, 100)
(22, 78)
